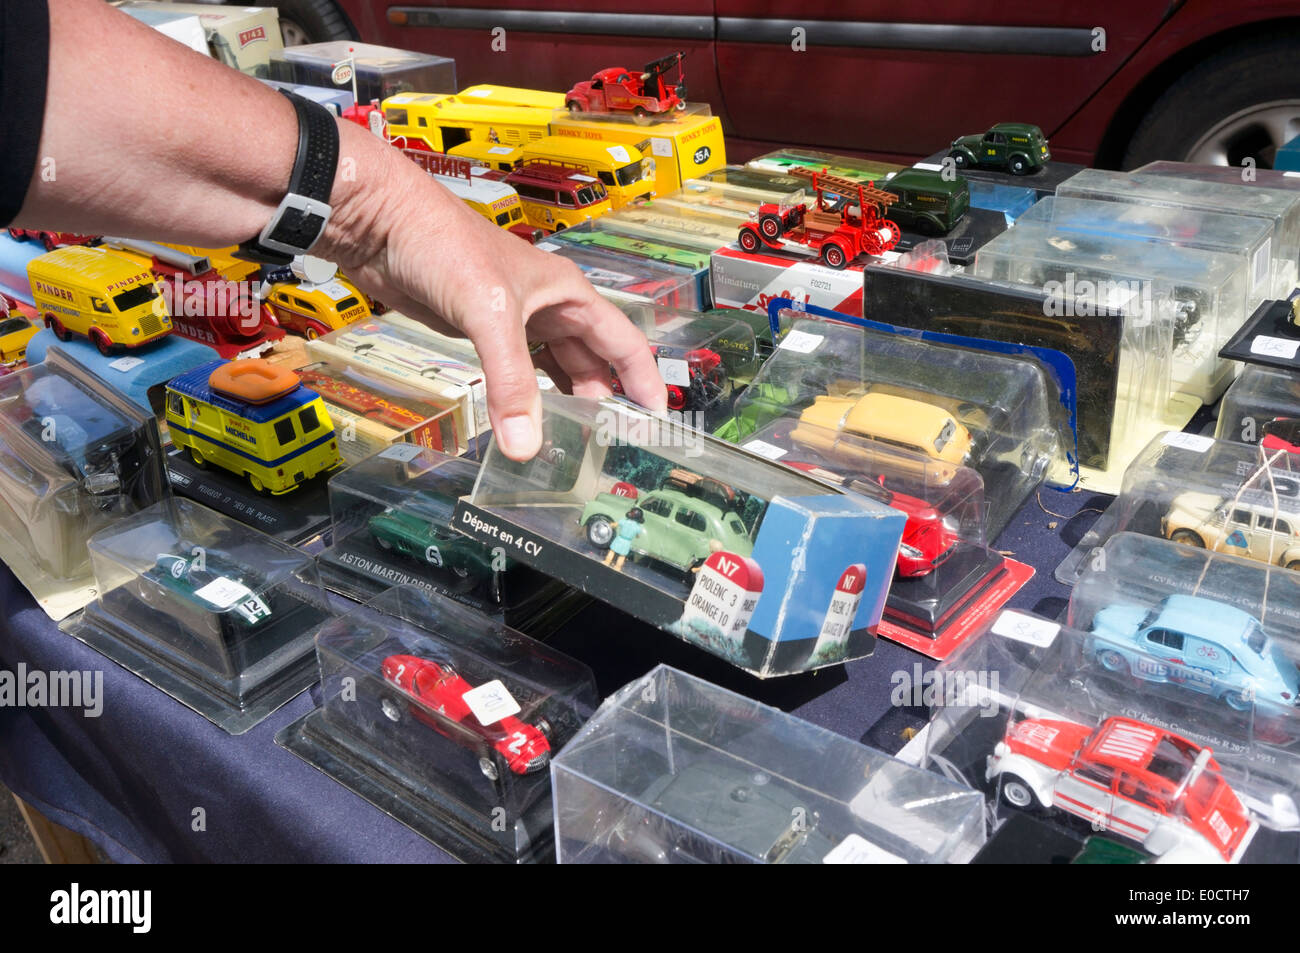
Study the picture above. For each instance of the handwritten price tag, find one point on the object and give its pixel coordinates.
(765, 449)
(1267, 346)
(1188, 441)
(1025, 628)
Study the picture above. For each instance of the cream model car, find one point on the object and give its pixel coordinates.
(1242, 528)
(923, 431)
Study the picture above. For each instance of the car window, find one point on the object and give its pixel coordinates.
(305, 305)
(349, 302)
(99, 305)
(657, 507)
(284, 430)
(735, 525)
(174, 403)
(1241, 516)
(1097, 773)
(565, 199)
(1282, 526)
(691, 520)
(945, 435)
(1132, 787)
(308, 418)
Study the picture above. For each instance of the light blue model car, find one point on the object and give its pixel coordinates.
(1199, 643)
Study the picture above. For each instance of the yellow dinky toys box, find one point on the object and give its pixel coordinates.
(684, 147)
(244, 37)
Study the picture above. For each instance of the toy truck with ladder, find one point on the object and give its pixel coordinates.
(835, 228)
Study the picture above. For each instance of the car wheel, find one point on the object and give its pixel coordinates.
(489, 769)
(1188, 538)
(748, 240)
(833, 256)
(1242, 101)
(1112, 661)
(1294, 565)
(55, 325)
(101, 342)
(958, 159)
(1019, 165)
(770, 226)
(600, 532)
(640, 116)
(1237, 701)
(1017, 792)
(198, 459)
(384, 544)
(573, 106)
(544, 726)
(309, 21)
(392, 710)
(256, 483)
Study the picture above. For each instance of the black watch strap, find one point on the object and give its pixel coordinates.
(303, 213)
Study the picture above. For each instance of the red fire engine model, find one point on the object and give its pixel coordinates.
(836, 228)
(705, 383)
(645, 94)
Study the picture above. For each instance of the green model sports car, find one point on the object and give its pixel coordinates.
(421, 529)
(207, 587)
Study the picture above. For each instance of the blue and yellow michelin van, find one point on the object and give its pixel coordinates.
(255, 419)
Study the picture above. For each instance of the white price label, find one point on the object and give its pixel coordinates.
(619, 153)
(1025, 628)
(928, 166)
(223, 592)
(856, 849)
(500, 150)
(801, 342)
(401, 452)
(765, 449)
(491, 702)
(1188, 441)
(675, 371)
(478, 92)
(125, 364)
(1267, 346)
(547, 246)
(662, 147)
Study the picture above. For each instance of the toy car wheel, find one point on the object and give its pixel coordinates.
(748, 240)
(1237, 701)
(489, 769)
(1188, 538)
(770, 226)
(676, 398)
(460, 572)
(833, 256)
(958, 159)
(1294, 565)
(55, 325)
(392, 710)
(384, 544)
(1111, 660)
(1019, 165)
(640, 116)
(544, 726)
(1017, 792)
(198, 459)
(600, 532)
(102, 344)
(312, 331)
(256, 483)
(573, 106)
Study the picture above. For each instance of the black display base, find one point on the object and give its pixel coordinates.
(927, 603)
(1272, 319)
(1025, 839)
(1043, 182)
(446, 822)
(296, 517)
(976, 229)
(273, 680)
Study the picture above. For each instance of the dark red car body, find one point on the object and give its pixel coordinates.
(898, 81)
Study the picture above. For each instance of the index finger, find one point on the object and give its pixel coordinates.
(609, 332)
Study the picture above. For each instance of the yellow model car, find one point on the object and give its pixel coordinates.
(15, 332)
(315, 309)
(924, 431)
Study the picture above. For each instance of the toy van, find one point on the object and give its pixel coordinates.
(315, 309)
(256, 420)
(624, 170)
(97, 294)
(557, 196)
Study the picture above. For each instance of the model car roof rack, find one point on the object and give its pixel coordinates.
(701, 487)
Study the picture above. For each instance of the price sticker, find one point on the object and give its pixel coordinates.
(801, 342)
(125, 364)
(401, 452)
(765, 449)
(675, 371)
(1188, 441)
(223, 592)
(1026, 628)
(490, 702)
(1267, 346)
(662, 147)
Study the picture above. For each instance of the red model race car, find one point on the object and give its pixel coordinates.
(928, 537)
(707, 380)
(523, 748)
(1129, 777)
(52, 240)
(644, 94)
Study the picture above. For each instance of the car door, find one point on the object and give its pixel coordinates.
(1137, 806)
(690, 535)
(658, 525)
(1085, 791)
(1270, 539)
(1238, 532)
(993, 149)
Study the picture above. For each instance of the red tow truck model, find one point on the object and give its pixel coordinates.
(645, 94)
(836, 228)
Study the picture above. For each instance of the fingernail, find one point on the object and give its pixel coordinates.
(517, 435)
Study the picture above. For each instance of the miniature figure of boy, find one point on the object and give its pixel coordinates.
(627, 529)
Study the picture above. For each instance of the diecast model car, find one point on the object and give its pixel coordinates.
(681, 525)
(421, 529)
(15, 332)
(208, 586)
(1017, 147)
(927, 202)
(315, 309)
(920, 429)
(1247, 528)
(1205, 645)
(519, 747)
(643, 94)
(1128, 777)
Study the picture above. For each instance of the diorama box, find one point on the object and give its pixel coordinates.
(75, 457)
(769, 569)
(216, 614)
(1038, 717)
(392, 525)
(379, 71)
(1216, 495)
(446, 721)
(674, 770)
(1261, 406)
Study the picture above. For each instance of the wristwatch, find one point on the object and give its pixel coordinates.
(303, 213)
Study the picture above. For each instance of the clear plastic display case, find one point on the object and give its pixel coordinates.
(597, 235)
(623, 279)
(737, 202)
(1217, 495)
(1262, 406)
(446, 721)
(848, 167)
(392, 525)
(75, 457)
(700, 228)
(910, 409)
(216, 614)
(380, 71)
(1279, 206)
(1200, 295)
(774, 185)
(767, 568)
(674, 770)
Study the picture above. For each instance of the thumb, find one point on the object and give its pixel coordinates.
(513, 399)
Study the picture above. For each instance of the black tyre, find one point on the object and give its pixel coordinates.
(310, 21)
(749, 240)
(959, 159)
(1017, 792)
(1018, 165)
(1240, 101)
(770, 226)
(1187, 538)
(600, 532)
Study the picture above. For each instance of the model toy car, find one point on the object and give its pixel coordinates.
(928, 538)
(519, 747)
(920, 428)
(1199, 643)
(207, 586)
(836, 228)
(1256, 530)
(927, 202)
(421, 529)
(15, 333)
(52, 240)
(643, 94)
(1015, 146)
(684, 521)
(708, 381)
(1134, 779)
(312, 310)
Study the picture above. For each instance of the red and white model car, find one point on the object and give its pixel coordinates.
(522, 748)
(644, 94)
(1129, 777)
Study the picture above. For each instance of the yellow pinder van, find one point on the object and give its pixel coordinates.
(100, 295)
(625, 171)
